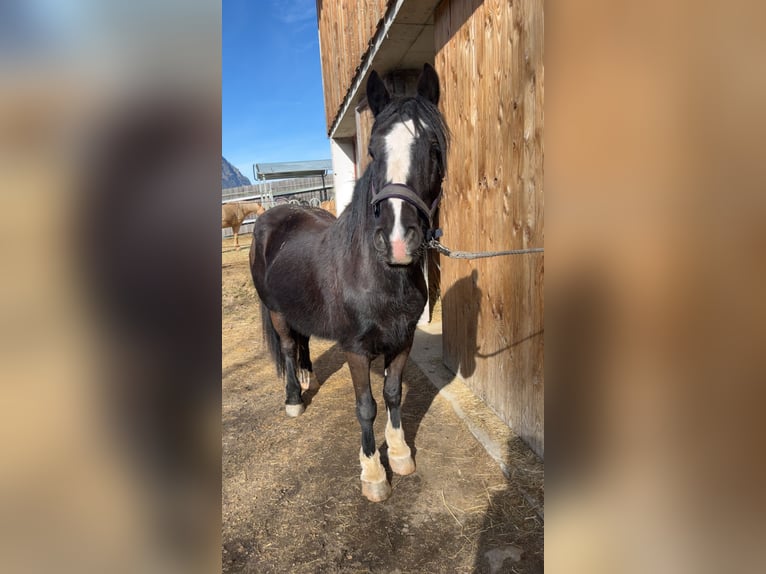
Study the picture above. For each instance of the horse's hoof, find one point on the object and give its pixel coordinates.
(402, 466)
(295, 410)
(376, 491)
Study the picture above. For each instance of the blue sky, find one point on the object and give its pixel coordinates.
(273, 107)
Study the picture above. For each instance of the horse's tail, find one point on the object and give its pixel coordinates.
(272, 340)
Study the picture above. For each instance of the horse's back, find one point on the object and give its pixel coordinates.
(288, 223)
(301, 214)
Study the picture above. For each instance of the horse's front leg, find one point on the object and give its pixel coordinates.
(235, 229)
(374, 483)
(399, 454)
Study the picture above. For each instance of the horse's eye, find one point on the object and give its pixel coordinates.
(435, 151)
(369, 151)
(436, 156)
(376, 210)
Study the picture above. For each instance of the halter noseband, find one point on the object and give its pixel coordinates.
(406, 193)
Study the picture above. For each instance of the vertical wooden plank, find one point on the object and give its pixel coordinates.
(345, 54)
(490, 377)
(532, 417)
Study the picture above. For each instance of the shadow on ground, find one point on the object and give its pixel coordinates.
(514, 518)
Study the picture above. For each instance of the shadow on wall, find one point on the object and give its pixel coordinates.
(461, 305)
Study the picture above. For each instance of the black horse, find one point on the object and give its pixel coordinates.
(358, 279)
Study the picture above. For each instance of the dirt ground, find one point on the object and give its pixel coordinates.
(292, 498)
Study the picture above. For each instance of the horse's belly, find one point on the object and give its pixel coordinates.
(295, 288)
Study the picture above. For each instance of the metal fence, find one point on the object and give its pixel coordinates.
(280, 188)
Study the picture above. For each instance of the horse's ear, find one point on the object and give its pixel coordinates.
(428, 84)
(377, 94)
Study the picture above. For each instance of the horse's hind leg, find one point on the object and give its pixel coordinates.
(304, 361)
(399, 454)
(293, 403)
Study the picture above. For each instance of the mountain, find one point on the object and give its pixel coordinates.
(231, 176)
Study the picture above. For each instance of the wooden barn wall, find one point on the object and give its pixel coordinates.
(489, 56)
(346, 28)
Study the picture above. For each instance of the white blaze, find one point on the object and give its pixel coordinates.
(398, 150)
(397, 231)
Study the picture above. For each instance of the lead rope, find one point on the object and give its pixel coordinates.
(434, 244)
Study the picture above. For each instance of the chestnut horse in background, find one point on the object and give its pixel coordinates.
(233, 214)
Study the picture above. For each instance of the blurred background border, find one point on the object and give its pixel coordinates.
(110, 296)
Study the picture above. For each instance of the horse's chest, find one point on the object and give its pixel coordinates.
(396, 314)
(386, 324)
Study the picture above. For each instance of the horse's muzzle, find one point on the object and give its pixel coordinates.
(398, 250)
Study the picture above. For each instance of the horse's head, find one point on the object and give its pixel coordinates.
(408, 147)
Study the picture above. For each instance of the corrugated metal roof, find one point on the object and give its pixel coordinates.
(288, 169)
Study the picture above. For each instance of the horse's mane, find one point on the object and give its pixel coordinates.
(417, 108)
(355, 215)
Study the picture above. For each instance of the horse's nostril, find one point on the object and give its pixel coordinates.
(379, 239)
(412, 233)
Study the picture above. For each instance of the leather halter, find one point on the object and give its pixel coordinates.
(406, 193)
